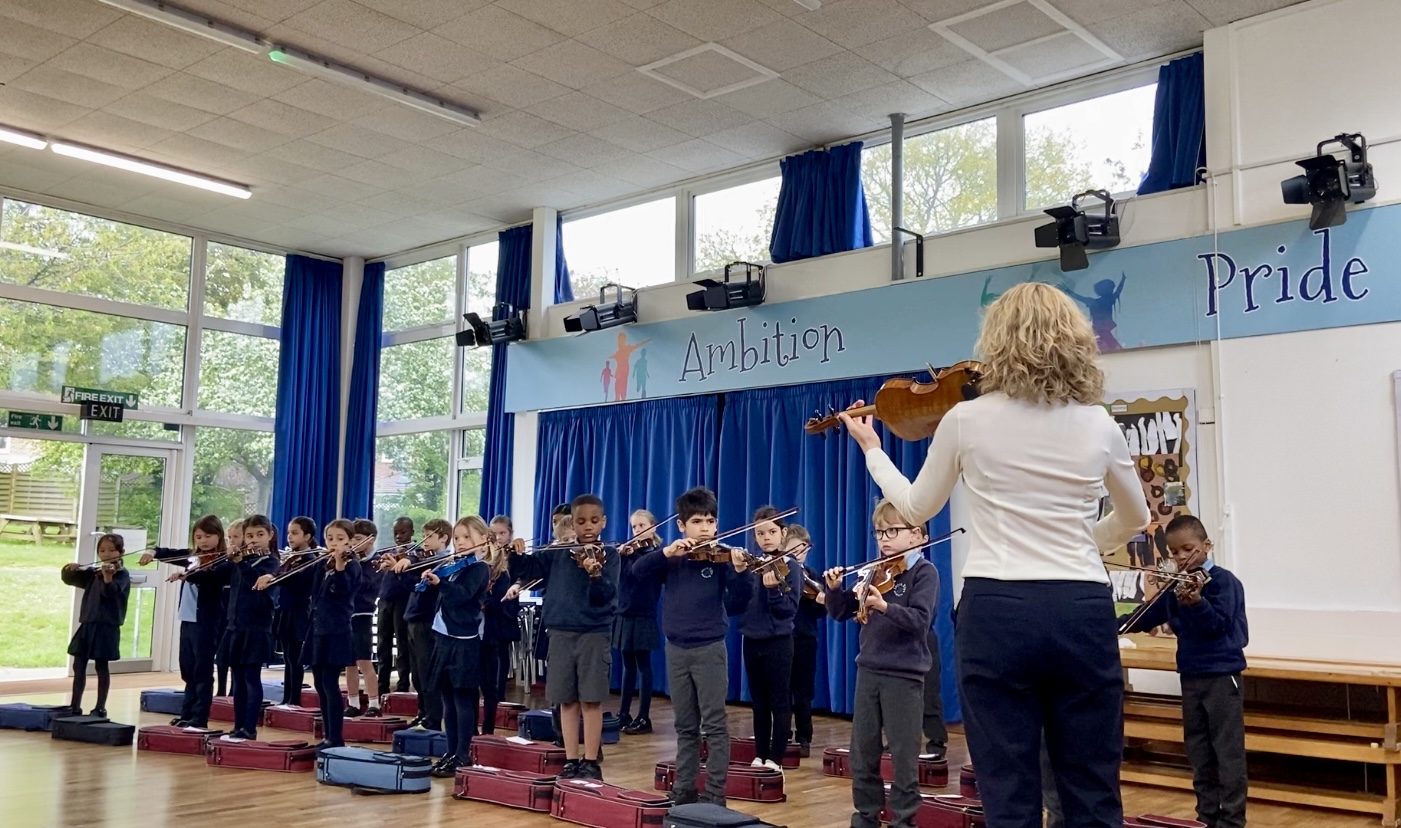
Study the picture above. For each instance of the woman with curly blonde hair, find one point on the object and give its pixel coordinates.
(1036, 638)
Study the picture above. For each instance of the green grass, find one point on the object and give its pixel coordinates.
(36, 606)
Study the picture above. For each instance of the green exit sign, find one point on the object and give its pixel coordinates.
(29, 419)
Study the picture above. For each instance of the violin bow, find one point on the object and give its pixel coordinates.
(865, 565)
(309, 564)
(772, 559)
(651, 528)
(444, 559)
(745, 528)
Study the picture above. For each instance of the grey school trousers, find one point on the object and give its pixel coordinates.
(698, 679)
(1213, 724)
(896, 706)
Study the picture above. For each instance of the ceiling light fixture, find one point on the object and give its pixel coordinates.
(810, 5)
(355, 79)
(193, 23)
(24, 139)
(123, 162)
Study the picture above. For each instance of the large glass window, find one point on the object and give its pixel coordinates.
(44, 347)
(950, 180)
(420, 294)
(634, 246)
(415, 380)
(54, 249)
(481, 277)
(1101, 143)
(735, 224)
(233, 473)
(243, 284)
(238, 373)
(411, 478)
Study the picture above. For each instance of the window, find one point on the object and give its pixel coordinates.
(634, 246)
(244, 285)
(469, 472)
(238, 373)
(473, 443)
(233, 473)
(735, 224)
(54, 249)
(44, 347)
(1100, 143)
(411, 478)
(133, 430)
(481, 277)
(950, 180)
(415, 380)
(420, 294)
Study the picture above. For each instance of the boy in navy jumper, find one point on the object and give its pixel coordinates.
(422, 608)
(392, 644)
(811, 609)
(700, 594)
(1209, 622)
(890, 666)
(767, 627)
(361, 624)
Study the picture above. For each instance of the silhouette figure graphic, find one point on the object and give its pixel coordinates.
(1101, 309)
(622, 359)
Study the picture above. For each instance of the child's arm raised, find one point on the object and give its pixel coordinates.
(782, 604)
(654, 564)
(75, 576)
(840, 603)
(535, 566)
(1210, 615)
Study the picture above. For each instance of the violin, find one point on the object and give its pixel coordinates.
(811, 586)
(911, 409)
(637, 545)
(1183, 584)
(710, 552)
(590, 558)
(880, 577)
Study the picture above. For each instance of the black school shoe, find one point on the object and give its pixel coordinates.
(100, 712)
(640, 725)
(570, 770)
(713, 800)
(352, 712)
(935, 750)
(589, 769)
(624, 719)
(446, 767)
(680, 797)
(804, 749)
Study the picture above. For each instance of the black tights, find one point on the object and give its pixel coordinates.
(80, 681)
(328, 690)
(637, 663)
(460, 716)
(292, 671)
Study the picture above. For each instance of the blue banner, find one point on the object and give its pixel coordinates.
(1263, 280)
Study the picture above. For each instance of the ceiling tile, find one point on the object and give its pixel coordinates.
(710, 70)
(66, 86)
(585, 150)
(769, 98)
(572, 18)
(637, 93)
(480, 181)
(786, 8)
(877, 103)
(1005, 27)
(27, 41)
(639, 39)
(425, 14)
(155, 42)
(196, 153)
(333, 186)
(640, 135)
(25, 110)
(913, 52)
(521, 129)
(853, 23)
(643, 5)
(254, 15)
(1154, 31)
(419, 159)
(90, 190)
(148, 109)
(401, 204)
(239, 135)
(22, 174)
(161, 206)
(240, 223)
(355, 140)
(471, 145)
(282, 118)
(267, 168)
(1057, 56)
(573, 64)
(303, 201)
(578, 111)
(697, 156)
(504, 208)
(330, 99)
(311, 43)
(1221, 12)
(533, 166)
(12, 67)
(643, 171)
(822, 123)
(1097, 11)
(249, 73)
(714, 19)
(758, 140)
(407, 124)
(109, 67)
(838, 75)
(265, 212)
(938, 10)
(359, 215)
(112, 132)
(782, 45)
(352, 25)
(592, 186)
(320, 223)
(436, 57)
(75, 18)
(316, 156)
(198, 93)
(512, 86)
(496, 32)
(970, 82)
(699, 118)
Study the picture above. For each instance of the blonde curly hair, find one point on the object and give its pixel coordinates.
(1038, 347)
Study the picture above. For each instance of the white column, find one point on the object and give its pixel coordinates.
(542, 269)
(352, 278)
(523, 474)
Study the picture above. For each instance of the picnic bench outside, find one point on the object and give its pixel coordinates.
(39, 529)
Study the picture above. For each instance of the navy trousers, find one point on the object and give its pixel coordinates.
(1037, 655)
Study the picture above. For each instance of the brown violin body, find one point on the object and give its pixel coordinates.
(880, 577)
(912, 409)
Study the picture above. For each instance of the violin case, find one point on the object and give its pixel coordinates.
(1155, 821)
(31, 717)
(378, 730)
(708, 815)
(420, 742)
(165, 700)
(517, 754)
(933, 773)
(742, 782)
(193, 741)
(742, 752)
(222, 709)
(290, 756)
(600, 805)
(514, 789)
(538, 725)
(968, 782)
(373, 771)
(399, 704)
(311, 699)
(300, 719)
(940, 811)
(508, 715)
(94, 730)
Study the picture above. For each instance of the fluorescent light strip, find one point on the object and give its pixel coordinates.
(355, 79)
(24, 139)
(193, 23)
(123, 162)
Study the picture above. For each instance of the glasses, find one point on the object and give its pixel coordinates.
(891, 533)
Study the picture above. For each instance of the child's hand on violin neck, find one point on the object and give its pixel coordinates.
(833, 577)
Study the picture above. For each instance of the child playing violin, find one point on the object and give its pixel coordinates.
(247, 643)
(890, 666)
(106, 586)
(329, 648)
(392, 644)
(501, 623)
(201, 612)
(221, 661)
(292, 600)
(456, 668)
(635, 633)
(767, 627)
(361, 641)
(418, 615)
(811, 608)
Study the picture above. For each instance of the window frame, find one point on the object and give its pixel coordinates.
(748, 175)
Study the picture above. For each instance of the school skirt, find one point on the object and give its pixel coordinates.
(96, 642)
(329, 650)
(241, 648)
(635, 633)
(457, 662)
(360, 643)
(291, 625)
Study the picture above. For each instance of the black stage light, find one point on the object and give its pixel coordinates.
(718, 296)
(1073, 231)
(509, 327)
(1329, 183)
(621, 311)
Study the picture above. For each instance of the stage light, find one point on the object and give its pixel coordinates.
(718, 296)
(136, 165)
(1329, 183)
(1073, 231)
(621, 311)
(510, 327)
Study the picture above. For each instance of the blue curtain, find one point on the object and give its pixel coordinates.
(635, 456)
(1179, 127)
(306, 453)
(766, 457)
(564, 288)
(357, 499)
(821, 205)
(512, 287)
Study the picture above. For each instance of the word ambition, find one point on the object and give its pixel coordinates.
(749, 350)
(1315, 284)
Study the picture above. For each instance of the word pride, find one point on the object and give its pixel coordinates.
(1315, 284)
(750, 349)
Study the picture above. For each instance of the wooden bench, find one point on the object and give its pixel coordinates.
(38, 529)
(1281, 730)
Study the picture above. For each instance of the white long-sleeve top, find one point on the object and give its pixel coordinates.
(1034, 476)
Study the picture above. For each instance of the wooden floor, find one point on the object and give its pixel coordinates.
(52, 784)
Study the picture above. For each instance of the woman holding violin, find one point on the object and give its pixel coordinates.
(767, 629)
(1036, 634)
(635, 632)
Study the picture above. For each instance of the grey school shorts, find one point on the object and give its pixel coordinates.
(578, 667)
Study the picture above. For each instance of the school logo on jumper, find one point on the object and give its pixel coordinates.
(707, 572)
(621, 366)
(899, 590)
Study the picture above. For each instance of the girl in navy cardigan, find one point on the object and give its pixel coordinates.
(501, 617)
(247, 643)
(456, 668)
(635, 632)
(106, 587)
(329, 648)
